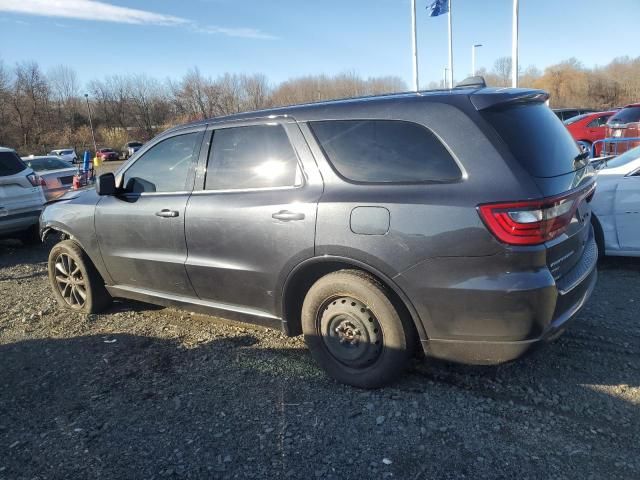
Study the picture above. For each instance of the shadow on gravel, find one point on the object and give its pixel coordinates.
(619, 263)
(13, 253)
(125, 406)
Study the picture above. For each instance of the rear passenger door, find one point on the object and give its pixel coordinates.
(253, 218)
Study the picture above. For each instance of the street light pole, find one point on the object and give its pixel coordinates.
(473, 58)
(414, 47)
(444, 81)
(93, 135)
(514, 46)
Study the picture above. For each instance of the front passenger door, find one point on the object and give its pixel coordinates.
(141, 230)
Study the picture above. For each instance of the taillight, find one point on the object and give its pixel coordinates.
(36, 180)
(532, 222)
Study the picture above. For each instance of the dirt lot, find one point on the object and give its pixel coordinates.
(146, 392)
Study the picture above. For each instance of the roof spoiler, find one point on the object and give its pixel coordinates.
(472, 82)
(503, 97)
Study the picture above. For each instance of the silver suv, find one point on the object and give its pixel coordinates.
(21, 198)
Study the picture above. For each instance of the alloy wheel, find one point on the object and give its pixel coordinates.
(70, 281)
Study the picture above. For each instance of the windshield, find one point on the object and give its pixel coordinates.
(537, 138)
(626, 157)
(10, 164)
(626, 115)
(575, 119)
(135, 144)
(42, 164)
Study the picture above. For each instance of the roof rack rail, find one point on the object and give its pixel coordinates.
(472, 82)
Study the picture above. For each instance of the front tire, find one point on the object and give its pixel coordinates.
(354, 331)
(76, 283)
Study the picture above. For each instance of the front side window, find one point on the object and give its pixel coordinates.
(258, 156)
(385, 151)
(164, 167)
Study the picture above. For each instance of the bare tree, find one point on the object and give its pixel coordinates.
(64, 86)
(502, 70)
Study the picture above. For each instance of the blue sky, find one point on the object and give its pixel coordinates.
(286, 38)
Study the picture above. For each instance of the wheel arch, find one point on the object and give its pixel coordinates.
(599, 235)
(306, 273)
(66, 233)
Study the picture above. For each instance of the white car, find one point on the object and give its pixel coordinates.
(56, 175)
(21, 198)
(616, 205)
(67, 154)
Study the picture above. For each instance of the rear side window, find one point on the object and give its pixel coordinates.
(626, 115)
(385, 151)
(258, 156)
(10, 164)
(536, 138)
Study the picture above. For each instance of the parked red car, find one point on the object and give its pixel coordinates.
(624, 124)
(589, 127)
(105, 154)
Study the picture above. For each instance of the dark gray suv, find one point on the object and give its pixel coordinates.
(458, 220)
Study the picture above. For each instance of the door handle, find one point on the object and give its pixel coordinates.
(287, 216)
(166, 213)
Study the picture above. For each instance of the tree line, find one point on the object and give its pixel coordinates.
(43, 110)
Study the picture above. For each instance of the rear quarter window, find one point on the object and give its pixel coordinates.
(536, 138)
(385, 151)
(10, 164)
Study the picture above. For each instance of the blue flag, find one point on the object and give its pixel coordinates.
(438, 7)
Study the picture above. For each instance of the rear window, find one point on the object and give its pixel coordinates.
(626, 115)
(10, 164)
(627, 157)
(42, 164)
(536, 138)
(385, 151)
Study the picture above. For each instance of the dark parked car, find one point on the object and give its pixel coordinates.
(625, 124)
(370, 225)
(567, 113)
(129, 149)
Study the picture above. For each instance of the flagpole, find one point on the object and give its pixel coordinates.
(414, 46)
(514, 46)
(451, 49)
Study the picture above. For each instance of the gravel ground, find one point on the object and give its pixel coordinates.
(148, 392)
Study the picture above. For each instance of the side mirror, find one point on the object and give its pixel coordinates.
(106, 184)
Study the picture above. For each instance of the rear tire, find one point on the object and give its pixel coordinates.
(354, 331)
(76, 283)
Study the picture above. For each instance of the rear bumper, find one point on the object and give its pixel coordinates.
(496, 352)
(490, 310)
